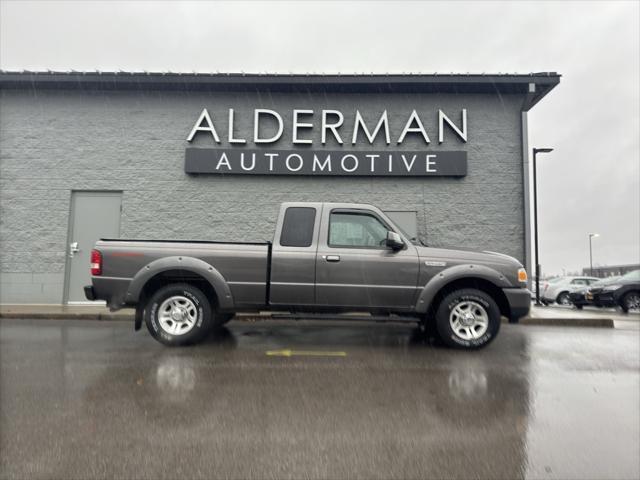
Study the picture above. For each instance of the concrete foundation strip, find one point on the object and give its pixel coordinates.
(128, 316)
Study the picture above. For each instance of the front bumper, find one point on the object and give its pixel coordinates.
(519, 300)
(578, 298)
(604, 299)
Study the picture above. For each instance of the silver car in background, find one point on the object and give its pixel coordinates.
(558, 289)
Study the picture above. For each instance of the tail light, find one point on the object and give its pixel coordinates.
(545, 286)
(96, 262)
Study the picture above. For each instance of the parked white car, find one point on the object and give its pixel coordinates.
(558, 289)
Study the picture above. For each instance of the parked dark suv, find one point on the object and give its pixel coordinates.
(625, 293)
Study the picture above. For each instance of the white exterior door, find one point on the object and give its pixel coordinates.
(94, 215)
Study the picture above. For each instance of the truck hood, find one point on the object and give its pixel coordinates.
(439, 259)
(458, 255)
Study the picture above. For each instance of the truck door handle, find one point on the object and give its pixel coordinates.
(73, 249)
(331, 258)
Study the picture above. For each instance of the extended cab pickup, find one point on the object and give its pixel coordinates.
(325, 257)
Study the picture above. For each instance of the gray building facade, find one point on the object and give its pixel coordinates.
(86, 154)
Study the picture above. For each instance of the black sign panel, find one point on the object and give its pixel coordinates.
(325, 163)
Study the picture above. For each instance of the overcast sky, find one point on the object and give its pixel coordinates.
(590, 183)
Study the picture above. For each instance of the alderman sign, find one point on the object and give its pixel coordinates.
(268, 127)
(305, 162)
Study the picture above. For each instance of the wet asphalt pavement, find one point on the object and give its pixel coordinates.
(88, 399)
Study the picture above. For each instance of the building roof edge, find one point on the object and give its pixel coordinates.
(503, 83)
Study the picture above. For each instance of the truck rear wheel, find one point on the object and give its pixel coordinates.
(179, 314)
(468, 319)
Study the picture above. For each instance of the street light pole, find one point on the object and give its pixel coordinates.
(535, 217)
(591, 235)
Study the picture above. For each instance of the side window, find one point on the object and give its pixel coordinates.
(579, 281)
(356, 230)
(297, 227)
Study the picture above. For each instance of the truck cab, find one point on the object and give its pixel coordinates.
(342, 256)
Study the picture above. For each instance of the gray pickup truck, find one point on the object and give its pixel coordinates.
(325, 258)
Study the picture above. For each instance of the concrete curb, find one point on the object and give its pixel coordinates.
(125, 316)
(66, 316)
(569, 322)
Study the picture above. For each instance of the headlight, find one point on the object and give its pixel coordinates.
(608, 288)
(522, 275)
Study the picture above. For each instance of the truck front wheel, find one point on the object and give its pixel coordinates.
(178, 314)
(224, 318)
(468, 319)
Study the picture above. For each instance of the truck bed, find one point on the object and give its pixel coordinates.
(244, 265)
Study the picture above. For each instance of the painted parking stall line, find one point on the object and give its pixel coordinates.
(303, 353)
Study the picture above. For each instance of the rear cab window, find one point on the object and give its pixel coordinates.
(297, 227)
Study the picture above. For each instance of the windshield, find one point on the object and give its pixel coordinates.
(413, 240)
(634, 275)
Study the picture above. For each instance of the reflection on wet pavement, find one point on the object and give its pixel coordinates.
(94, 400)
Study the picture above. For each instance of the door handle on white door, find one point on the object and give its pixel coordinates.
(73, 248)
(331, 258)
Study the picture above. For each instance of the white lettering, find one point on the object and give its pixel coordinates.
(271, 157)
(204, 117)
(431, 163)
(289, 167)
(333, 127)
(257, 113)
(408, 165)
(332, 122)
(297, 125)
(253, 162)
(390, 162)
(417, 129)
(223, 161)
(321, 166)
(231, 126)
(355, 163)
(371, 136)
(443, 118)
(373, 159)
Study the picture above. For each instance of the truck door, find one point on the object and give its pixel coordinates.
(293, 262)
(354, 268)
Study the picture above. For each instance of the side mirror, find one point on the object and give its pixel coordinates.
(394, 242)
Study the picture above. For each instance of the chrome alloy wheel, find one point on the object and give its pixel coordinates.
(564, 299)
(469, 320)
(177, 315)
(632, 302)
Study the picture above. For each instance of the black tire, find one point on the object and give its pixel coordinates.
(629, 301)
(224, 318)
(429, 330)
(563, 298)
(197, 306)
(484, 302)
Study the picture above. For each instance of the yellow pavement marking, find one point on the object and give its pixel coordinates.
(303, 353)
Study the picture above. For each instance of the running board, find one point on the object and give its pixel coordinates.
(346, 317)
